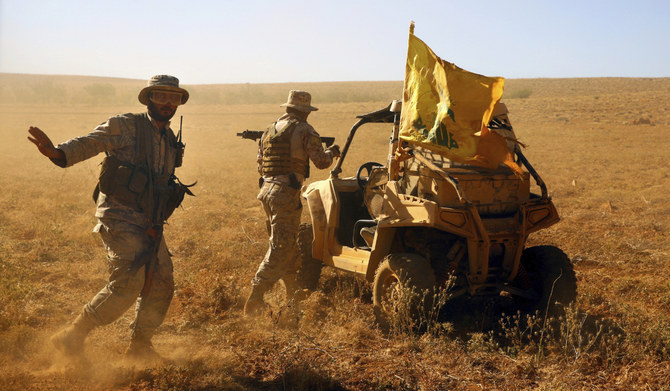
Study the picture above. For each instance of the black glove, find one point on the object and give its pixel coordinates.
(335, 150)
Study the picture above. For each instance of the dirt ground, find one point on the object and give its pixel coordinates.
(601, 145)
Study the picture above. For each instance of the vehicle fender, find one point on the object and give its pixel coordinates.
(319, 221)
(381, 248)
(538, 214)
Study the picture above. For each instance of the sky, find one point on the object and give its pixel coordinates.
(264, 41)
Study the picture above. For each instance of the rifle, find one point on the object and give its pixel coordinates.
(257, 134)
(149, 257)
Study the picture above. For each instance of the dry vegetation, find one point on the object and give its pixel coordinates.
(600, 144)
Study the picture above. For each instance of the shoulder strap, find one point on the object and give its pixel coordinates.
(292, 122)
(143, 143)
(144, 160)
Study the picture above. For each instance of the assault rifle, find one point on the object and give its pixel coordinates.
(257, 134)
(148, 258)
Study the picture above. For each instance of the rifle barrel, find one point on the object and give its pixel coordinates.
(257, 134)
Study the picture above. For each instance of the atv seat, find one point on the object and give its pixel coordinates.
(368, 234)
(364, 229)
(372, 194)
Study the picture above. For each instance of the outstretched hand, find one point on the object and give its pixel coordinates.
(44, 144)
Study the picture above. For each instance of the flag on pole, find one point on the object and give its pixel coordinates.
(446, 109)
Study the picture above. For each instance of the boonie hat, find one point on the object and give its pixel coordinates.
(300, 100)
(163, 83)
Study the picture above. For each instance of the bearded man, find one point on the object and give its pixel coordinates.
(135, 195)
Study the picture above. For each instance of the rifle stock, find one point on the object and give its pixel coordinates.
(149, 257)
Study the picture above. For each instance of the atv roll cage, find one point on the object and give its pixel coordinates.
(387, 115)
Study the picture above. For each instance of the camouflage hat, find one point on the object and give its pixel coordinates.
(164, 83)
(300, 100)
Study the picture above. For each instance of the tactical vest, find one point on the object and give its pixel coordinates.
(278, 158)
(136, 185)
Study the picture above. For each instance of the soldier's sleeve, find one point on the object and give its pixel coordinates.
(110, 135)
(312, 143)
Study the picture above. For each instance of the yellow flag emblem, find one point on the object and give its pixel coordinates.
(446, 109)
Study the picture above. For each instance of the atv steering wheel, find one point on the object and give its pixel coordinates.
(363, 180)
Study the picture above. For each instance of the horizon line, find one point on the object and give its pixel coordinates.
(317, 82)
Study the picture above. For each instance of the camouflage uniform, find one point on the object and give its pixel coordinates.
(123, 229)
(282, 205)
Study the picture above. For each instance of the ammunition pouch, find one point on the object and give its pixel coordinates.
(171, 196)
(124, 182)
(131, 185)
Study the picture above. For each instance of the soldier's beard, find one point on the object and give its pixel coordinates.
(163, 114)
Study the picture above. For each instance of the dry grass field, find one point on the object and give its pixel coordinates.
(601, 145)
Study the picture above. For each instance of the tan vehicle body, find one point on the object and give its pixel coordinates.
(465, 221)
(436, 206)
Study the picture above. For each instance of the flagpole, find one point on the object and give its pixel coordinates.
(394, 163)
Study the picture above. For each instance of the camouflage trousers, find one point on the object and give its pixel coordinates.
(124, 242)
(283, 209)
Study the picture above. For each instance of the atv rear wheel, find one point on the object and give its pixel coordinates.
(310, 269)
(549, 272)
(403, 286)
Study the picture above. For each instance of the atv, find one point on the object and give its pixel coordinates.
(429, 222)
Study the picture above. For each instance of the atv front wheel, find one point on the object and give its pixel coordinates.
(403, 287)
(546, 270)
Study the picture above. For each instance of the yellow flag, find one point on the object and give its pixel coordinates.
(445, 108)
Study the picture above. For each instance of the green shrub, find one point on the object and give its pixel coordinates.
(520, 94)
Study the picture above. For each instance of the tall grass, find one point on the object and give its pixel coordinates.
(608, 180)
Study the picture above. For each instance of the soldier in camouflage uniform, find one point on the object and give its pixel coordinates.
(283, 161)
(142, 153)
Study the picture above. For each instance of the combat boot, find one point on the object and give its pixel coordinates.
(142, 350)
(255, 305)
(70, 340)
(294, 291)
